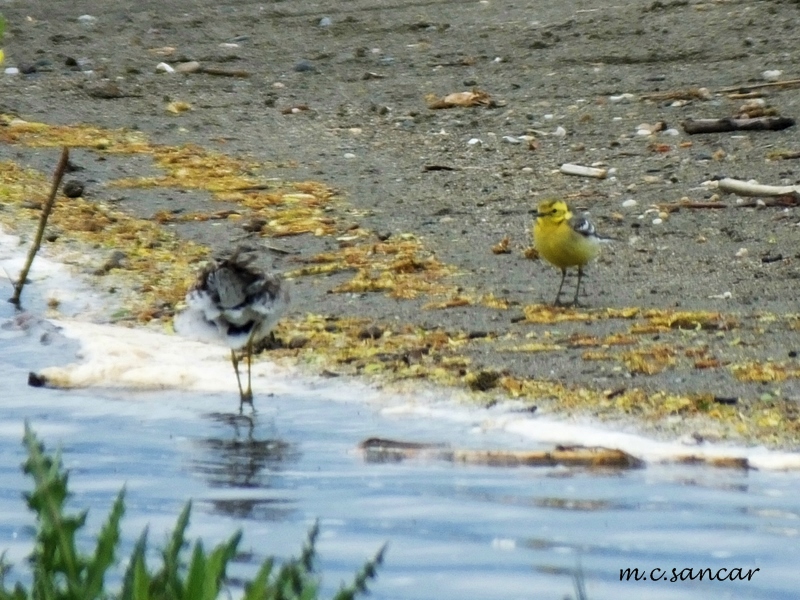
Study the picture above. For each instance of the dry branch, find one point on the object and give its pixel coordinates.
(37, 242)
(758, 86)
(745, 188)
(385, 450)
(692, 126)
(224, 72)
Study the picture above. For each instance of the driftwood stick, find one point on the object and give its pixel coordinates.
(37, 242)
(759, 86)
(692, 126)
(745, 188)
(676, 206)
(386, 450)
(224, 72)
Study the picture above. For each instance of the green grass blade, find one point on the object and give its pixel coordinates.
(195, 579)
(137, 567)
(168, 580)
(367, 573)
(217, 563)
(55, 549)
(257, 589)
(107, 541)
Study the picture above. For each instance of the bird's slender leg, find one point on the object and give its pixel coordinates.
(249, 392)
(235, 363)
(561, 285)
(578, 287)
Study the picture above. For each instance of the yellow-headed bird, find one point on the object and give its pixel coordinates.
(564, 240)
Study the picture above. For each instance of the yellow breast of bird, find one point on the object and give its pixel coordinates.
(560, 245)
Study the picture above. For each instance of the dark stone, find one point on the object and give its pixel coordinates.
(73, 188)
(36, 380)
(373, 332)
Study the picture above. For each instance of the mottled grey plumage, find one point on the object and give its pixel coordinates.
(584, 226)
(234, 303)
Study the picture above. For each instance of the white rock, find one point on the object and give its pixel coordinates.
(722, 296)
(87, 20)
(325, 22)
(474, 141)
(511, 139)
(163, 67)
(629, 203)
(621, 98)
(560, 132)
(11, 71)
(658, 221)
(671, 131)
(741, 253)
(349, 155)
(772, 74)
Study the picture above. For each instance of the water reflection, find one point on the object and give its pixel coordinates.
(237, 459)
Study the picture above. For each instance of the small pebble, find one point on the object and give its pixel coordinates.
(297, 342)
(372, 332)
(511, 139)
(741, 253)
(349, 155)
(73, 188)
(657, 221)
(188, 67)
(621, 98)
(11, 71)
(772, 74)
(474, 141)
(630, 202)
(87, 20)
(325, 22)
(304, 66)
(163, 67)
(722, 296)
(560, 132)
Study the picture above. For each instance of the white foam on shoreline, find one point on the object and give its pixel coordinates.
(137, 359)
(53, 280)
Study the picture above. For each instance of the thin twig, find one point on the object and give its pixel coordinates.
(37, 242)
(786, 83)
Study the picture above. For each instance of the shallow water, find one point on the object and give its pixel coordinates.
(454, 531)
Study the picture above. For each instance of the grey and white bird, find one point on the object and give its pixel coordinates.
(236, 304)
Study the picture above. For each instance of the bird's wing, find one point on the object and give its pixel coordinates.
(583, 226)
(586, 228)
